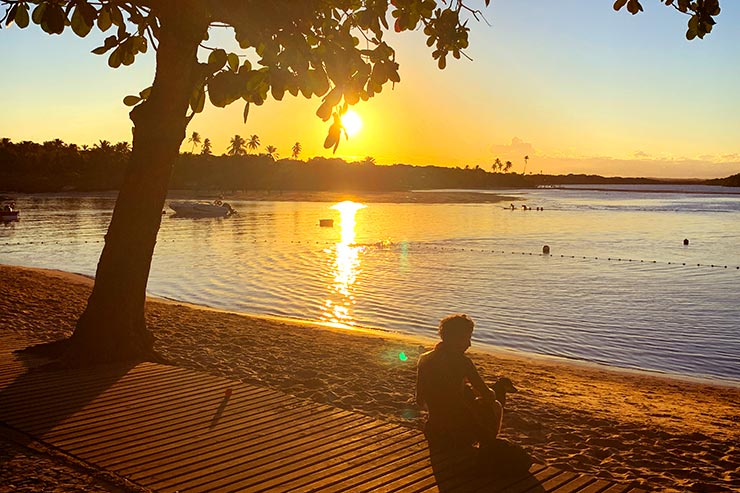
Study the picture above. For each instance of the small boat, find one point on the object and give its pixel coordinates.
(326, 223)
(194, 208)
(8, 212)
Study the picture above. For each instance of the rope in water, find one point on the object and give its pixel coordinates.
(387, 245)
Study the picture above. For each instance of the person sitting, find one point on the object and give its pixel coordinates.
(462, 409)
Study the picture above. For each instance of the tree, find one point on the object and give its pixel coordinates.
(122, 147)
(254, 142)
(103, 145)
(496, 165)
(296, 150)
(507, 166)
(271, 151)
(526, 159)
(237, 146)
(332, 49)
(195, 139)
(206, 149)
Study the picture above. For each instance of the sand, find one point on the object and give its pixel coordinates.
(663, 433)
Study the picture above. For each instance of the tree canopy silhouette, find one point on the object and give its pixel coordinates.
(331, 49)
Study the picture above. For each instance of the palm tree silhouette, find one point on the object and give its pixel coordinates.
(296, 150)
(496, 165)
(206, 149)
(103, 145)
(237, 146)
(272, 151)
(508, 166)
(195, 139)
(254, 142)
(526, 158)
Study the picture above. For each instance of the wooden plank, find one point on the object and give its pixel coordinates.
(152, 438)
(171, 429)
(322, 468)
(339, 466)
(136, 413)
(211, 459)
(279, 453)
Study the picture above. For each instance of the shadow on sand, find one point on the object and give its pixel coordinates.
(461, 470)
(36, 396)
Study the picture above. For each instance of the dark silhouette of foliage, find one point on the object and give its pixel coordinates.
(331, 49)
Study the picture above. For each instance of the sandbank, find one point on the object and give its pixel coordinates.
(663, 433)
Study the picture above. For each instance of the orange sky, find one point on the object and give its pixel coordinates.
(575, 86)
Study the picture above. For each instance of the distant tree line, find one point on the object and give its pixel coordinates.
(730, 181)
(55, 166)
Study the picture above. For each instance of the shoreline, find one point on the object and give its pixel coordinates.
(486, 349)
(657, 432)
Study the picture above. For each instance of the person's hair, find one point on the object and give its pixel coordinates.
(455, 325)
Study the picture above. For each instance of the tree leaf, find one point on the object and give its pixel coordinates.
(21, 17)
(38, 13)
(11, 15)
(104, 21)
(80, 23)
(53, 19)
(233, 60)
(619, 4)
(198, 100)
(246, 111)
(131, 100)
(217, 59)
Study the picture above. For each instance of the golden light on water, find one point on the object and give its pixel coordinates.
(345, 266)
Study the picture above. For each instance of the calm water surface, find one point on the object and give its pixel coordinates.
(619, 287)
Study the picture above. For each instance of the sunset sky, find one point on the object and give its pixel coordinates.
(572, 84)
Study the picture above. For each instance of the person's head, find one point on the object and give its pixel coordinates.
(456, 330)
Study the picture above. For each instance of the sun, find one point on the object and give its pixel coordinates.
(352, 123)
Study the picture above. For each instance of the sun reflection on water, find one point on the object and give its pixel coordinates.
(345, 267)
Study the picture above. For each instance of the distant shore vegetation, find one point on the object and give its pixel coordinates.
(55, 166)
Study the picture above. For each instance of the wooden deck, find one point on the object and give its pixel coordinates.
(171, 429)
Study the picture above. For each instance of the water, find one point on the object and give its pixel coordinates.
(619, 288)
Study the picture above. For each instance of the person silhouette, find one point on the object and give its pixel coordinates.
(463, 410)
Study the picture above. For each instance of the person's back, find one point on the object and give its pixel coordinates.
(443, 373)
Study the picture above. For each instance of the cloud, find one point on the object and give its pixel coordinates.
(653, 167)
(514, 151)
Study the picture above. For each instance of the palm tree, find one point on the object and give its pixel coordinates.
(195, 139)
(206, 149)
(103, 145)
(507, 167)
(254, 142)
(122, 148)
(272, 151)
(296, 150)
(369, 161)
(236, 146)
(496, 165)
(526, 158)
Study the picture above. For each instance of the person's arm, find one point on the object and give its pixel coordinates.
(478, 384)
(420, 400)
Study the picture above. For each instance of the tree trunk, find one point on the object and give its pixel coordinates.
(112, 327)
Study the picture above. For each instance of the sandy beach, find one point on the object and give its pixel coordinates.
(663, 433)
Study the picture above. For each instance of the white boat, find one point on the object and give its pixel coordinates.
(8, 212)
(194, 208)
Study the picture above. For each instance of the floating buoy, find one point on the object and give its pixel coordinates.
(546, 250)
(685, 241)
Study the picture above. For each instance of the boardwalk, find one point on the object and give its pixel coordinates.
(171, 429)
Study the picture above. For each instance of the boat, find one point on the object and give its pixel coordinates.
(326, 223)
(8, 212)
(195, 208)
